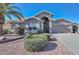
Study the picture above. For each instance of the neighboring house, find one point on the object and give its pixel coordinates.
(45, 21)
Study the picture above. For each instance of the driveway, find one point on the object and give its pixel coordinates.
(70, 40)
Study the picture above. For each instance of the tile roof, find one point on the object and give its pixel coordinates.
(44, 11)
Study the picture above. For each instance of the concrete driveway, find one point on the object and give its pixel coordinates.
(70, 40)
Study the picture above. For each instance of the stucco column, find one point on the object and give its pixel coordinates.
(42, 25)
(50, 26)
(10, 26)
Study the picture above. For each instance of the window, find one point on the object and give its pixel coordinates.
(34, 26)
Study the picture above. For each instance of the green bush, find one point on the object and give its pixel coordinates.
(6, 31)
(33, 32)
(35, 42)
(20, 30)
(75, 28)
(40, 31)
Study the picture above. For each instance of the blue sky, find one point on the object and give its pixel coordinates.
(60, 10)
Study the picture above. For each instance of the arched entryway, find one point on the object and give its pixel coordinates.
(45, 24)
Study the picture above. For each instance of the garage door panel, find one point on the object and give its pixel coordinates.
(60, 29)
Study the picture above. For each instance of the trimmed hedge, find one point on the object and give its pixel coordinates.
(35, 42)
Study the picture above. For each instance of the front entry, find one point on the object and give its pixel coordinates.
(45, 24)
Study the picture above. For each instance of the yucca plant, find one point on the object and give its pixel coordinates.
(6, 10)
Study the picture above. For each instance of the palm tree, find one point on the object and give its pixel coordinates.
(6, 10)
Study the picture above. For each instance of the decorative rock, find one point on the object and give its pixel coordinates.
(2, 38)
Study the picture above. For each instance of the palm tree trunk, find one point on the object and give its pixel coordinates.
(1, 24)
(1, 28)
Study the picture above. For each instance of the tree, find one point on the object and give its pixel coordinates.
(75, 28)
(6, 10)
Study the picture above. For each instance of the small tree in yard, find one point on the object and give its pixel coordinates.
(6, 10)
(75, 28)
(20, 30)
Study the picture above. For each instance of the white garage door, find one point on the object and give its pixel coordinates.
(60, 29)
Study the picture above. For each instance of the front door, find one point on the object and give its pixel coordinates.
(45, 24)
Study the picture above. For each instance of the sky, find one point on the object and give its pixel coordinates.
(68, 11)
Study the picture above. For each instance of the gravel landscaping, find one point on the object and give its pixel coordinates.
(17, 48)
(9, 38)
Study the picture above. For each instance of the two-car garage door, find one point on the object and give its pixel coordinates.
(60, 29)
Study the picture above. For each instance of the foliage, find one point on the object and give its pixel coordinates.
(6, 31)
(40, 31)
(6, 10)
(20, 30)
(35, 42)
(9, 11)
(75, 28)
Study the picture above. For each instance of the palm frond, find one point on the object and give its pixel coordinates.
(19, 14)
(5, 4)
(14, 7)
(8, 16)
(16, 13)
(7, 10)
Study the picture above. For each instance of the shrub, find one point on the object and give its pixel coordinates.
(40, 31)
(48, 37)
(75, 28)
(33, 32)
(6, 31)
(20, 30)
(35, 42)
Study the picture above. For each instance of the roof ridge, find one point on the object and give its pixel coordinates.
(42, 12)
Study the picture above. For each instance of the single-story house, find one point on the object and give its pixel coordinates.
(45, 21)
